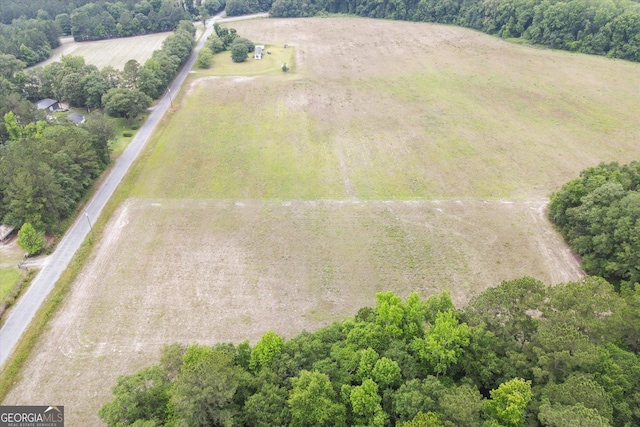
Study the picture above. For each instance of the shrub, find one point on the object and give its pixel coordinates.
(205, 58)
(30, 239)
(239, 52)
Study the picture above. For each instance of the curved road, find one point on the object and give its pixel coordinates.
(30, 302)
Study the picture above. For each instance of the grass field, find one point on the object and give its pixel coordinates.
(113, 52)
(10, 256)
(8, 279)
(395, 156)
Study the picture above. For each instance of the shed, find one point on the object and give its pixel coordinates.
(5, 232)
(47, 104)
(257, 53)
(76, 118)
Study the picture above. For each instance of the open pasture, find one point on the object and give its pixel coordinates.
(113, 52)
(398, 156)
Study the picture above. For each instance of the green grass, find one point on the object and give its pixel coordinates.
(8, 279)
(233, 147)
(268, 65)
(120, 142)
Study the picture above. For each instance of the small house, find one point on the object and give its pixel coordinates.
(47, 104)
(76, 118)
(257, 53)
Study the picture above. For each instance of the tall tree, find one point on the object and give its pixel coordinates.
(313, 402)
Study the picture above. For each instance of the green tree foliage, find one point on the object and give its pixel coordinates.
(443, 342)
(265, 350)
(125, 103)
(562, 369)
(205, 58)
(205, 386)
(557, 415)
(94, 21)
(429, 419)
(31, 240)
(142, 396)
(386, 372)
(365, 403)
(508, 402)
(215, 44)
(248, 43)
(313, 402)
(239, 52)
(599, 216)
(227, 35)
(267, 407)
(45, 172)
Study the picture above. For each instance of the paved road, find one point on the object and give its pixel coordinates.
(30, 302)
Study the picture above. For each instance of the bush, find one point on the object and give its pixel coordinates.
(30, 239)
(248, 43)
(127, 133)
(205, 58)
(215, 44)
(239, 52)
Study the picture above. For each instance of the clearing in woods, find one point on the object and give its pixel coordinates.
(395, 156)
(113, 52)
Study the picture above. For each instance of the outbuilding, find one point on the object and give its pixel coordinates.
(76, 118)
(48, 104)
(257, 53)
(5, 233)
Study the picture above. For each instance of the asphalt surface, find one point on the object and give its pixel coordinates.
(28, 305)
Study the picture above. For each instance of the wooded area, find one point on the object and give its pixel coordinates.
(518, 354)
(599, 216)
(46, 165)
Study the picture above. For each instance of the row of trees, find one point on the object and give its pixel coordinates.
(604, 28)
(95, 21)
(598, 214)
(225, 39)
(518, 354)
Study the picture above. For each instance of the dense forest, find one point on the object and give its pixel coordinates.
(47, 164)
(599, 216)
(520, 354)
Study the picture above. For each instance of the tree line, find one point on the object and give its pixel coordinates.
(519, 354)
(609, 28)
(598, 214)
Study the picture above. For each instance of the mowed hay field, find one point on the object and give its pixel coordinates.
(111, 52)
(394, 156)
